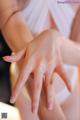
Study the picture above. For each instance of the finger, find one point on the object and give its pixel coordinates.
(16, 57)
(49, 86)
(37, 86)
(23, 76)
(57, 111)
(49, 95)
(62, 73)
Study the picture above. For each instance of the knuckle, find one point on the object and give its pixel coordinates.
(50, 97)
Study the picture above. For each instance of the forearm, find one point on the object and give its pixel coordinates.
(13, 26)
(7, 8)
(70, 52)
(16, 32)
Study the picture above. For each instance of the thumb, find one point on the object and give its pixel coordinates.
(16, 57)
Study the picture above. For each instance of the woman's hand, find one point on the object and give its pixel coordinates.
(41, 57)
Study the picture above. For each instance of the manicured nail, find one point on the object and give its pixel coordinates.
(6, 57)
(50, 106)
(12, 100)
(34, 110)
(70, 88)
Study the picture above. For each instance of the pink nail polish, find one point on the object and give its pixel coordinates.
(50, 106)
(34, 110)
(6, 58)
(12, 100)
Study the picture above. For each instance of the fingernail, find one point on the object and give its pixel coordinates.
(70, 88)
(6, 57)
(12, 100)
(34, 110)
(50, 106)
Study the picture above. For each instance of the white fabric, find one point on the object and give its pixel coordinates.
(36, 14)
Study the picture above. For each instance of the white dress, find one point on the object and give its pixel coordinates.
(36, 15)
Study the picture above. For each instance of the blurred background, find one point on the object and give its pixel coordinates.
(5, 89)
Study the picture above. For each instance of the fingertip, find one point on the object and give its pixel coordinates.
(50, 106)
(6, 58)
(70, 88)
(12, 100)
(34, 109)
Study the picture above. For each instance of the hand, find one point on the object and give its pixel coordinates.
(41, 57)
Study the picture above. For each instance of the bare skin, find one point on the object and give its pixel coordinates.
(10, 29)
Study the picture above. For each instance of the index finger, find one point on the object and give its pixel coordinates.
(23, 76)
